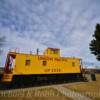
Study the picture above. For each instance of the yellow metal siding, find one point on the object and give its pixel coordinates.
(54, 65)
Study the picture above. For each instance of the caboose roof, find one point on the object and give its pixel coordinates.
(53, 48)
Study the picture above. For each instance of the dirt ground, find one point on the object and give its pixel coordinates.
(90, 89)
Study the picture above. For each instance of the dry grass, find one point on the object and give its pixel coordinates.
(38, 94)
(90, 89)
(36, 98)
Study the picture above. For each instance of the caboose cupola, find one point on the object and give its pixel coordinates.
(55, 52)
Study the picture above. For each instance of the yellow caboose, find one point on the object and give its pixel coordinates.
(32, 68)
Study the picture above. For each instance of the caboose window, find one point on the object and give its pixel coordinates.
(28, 62)
(44, 63)
(55, 51)
(73, 64)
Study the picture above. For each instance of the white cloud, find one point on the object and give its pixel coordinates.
(65, 24)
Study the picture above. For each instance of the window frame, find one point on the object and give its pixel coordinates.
(55, 51)
(73, 64)
(27, 62)
(44, 62)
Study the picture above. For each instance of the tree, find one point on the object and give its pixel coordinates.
(2, 40)
(95, 43)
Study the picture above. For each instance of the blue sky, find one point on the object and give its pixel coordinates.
(65, 24)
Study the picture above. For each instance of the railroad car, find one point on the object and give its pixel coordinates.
(22, 69)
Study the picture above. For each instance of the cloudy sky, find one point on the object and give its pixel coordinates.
(65, 24)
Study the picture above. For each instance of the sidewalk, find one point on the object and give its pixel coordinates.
(71, 94)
